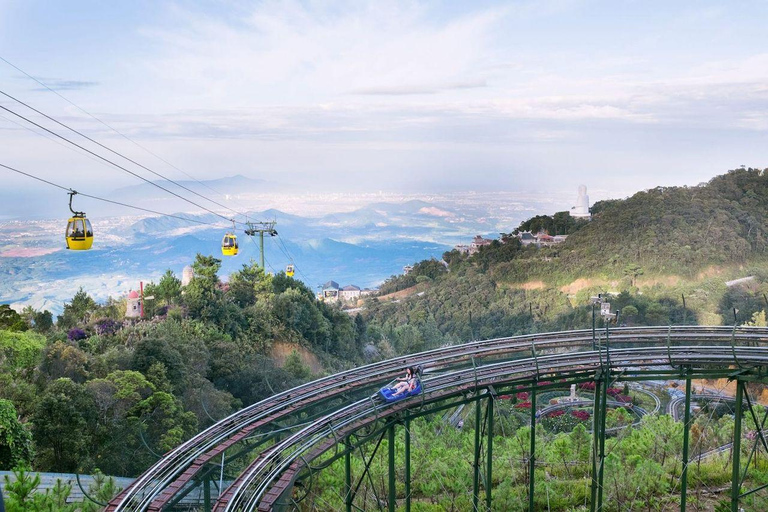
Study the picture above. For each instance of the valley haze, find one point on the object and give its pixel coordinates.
(351, 238)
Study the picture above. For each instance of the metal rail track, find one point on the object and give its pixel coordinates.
(451, 371)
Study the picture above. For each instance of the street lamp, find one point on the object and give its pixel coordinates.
(595, 300)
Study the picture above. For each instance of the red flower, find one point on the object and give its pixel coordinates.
(522, 396)
(523, 405)
(580, 415)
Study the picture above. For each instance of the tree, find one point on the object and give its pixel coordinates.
(20, 350)
(629, 313)
(42, 321)
(11, 320)
(169, 288)
(65, 360)
(61, 426)
(249, 282)
(296, 366)
(15, 440)
(203, 297)
(633, 271)
(78, 311)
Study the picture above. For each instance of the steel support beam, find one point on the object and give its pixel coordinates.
(595, 446)
(686, 436)
(736, 450)
(603, 409)
(207, 494)
(392, 501)
(347, 477)
(407, 462)
(532, 458)
(476, 466)
(489, 456)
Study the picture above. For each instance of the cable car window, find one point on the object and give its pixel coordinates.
(79, 230)
(70, 228)
(88, 228)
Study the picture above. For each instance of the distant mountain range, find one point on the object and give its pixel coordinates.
(361, 247)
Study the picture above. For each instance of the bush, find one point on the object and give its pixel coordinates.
(76, 334)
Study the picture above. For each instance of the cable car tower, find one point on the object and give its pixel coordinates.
(261, 228)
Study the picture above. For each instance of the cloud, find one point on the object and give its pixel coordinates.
(64, 85)
(405, 90)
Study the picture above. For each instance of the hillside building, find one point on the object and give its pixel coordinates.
(477, 243)
(133, 305)
(349, 292)
(330, 291)
(541, 239)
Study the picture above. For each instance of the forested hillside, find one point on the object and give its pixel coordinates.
(95, 391)
(662, 256)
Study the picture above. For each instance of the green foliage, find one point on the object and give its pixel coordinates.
(296, 366)
(19, 350)
(78, 311)
(15, 440)
(11, 320)
(431, 269)
(61, 425)
(561, 223)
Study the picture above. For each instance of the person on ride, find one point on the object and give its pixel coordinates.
(405, 387)
(408, 375)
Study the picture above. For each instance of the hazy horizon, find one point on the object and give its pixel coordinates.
(409, 97)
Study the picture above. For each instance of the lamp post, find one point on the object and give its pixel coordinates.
(595, 300)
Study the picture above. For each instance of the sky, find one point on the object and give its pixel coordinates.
(411, 96)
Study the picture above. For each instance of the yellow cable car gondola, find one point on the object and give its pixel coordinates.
(79, 234)
(289, 271)
(229, 243)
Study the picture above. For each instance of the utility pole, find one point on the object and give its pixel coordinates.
(261, 228)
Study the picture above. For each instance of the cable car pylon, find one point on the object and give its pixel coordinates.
(261, 228)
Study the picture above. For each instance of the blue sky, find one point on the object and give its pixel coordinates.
(397, 95)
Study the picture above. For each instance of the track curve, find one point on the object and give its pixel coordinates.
(340, 405)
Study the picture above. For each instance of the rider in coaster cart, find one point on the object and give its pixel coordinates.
(403, 386)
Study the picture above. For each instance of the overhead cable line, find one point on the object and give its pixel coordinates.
(116, 152)
(118, 165)
(50, 138)
(97, 198)
(81, 109)
(286, 252)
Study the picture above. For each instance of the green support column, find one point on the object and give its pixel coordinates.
(407, 462)
(601, 469)
(348, 477)
(207, 494)
(261, 250)
(532, 459)
(476, 467)
(595, 443)
(686, 436)
(489, 462)
(736, 475)
(392, 502)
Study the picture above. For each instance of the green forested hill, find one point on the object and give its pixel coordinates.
(650, 251)
(677, 229)
(97, 391)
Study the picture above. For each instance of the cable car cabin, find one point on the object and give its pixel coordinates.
(79, 233)
(229, 245)
(289, 271)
